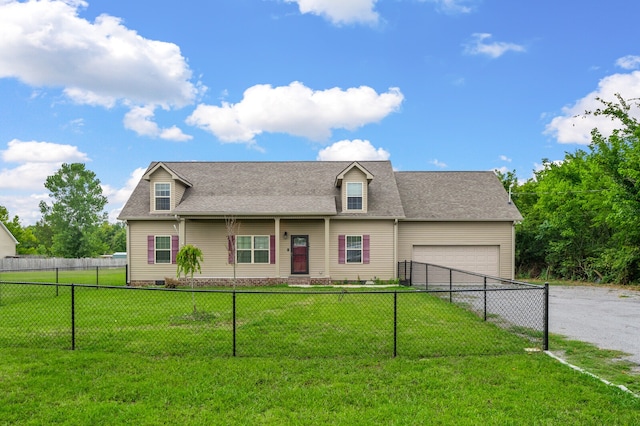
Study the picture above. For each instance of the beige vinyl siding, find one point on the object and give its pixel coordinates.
(7, 244)
(381, 263)
(315, 230)
(177, 191)
(355, 175)
(211, 237)
(499, 234)
(139, 269)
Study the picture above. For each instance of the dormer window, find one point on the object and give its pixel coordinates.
(354, 196)
(163, 196)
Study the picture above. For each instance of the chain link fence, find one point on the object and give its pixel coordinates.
(275, 322)
(106, 275)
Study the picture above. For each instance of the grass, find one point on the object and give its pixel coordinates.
(103, 276)
(146, 357)
(65, 387)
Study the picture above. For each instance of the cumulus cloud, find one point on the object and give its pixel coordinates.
(140, 120)
(505, 158)
(480, 45)
(36, 161)
(41, 152)
(572, 126)
(296, 110)
(353, 150)
(118, 196)
(340, 11)
(629, 62)
(46, 43)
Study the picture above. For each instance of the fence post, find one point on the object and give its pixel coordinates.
(57, 282)
(73, 317)
(545, 342)
(426, 276)
(234, 322)
(485, 298)
(97, 280)
(395, 323)
(450, 286)
(410, 274)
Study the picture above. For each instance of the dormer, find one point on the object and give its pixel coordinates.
(354, 188)
(166, 188)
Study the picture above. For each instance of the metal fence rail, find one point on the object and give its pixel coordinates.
(291, 323)
(511, 304)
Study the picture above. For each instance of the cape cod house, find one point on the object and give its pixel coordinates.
(315, 221)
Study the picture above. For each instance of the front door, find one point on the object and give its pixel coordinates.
(299, 254)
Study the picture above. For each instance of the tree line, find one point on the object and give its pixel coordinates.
(582, 214)
(74, 225)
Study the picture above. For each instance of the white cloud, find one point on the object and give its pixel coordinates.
(629, 62)
(41, 152)
(24, 206)
(340, 11)
(37, 161)
(46, 43)
(505, 158)
(574, 127)
(140, 120)
(295, 109)
(354, 150)
(118, 196)
(438, 163)
(480, 46)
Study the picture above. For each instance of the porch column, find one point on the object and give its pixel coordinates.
(277, 264)
(327, 248)
(182, 232)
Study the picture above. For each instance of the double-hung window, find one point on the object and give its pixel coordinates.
(354, 196)
(163, 249)
(163, 196)
(252, 248)
(354, 248)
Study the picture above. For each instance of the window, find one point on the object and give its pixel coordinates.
(163, 249)
(354, 248)
(354, 196)
(163, 196)
(253, 249)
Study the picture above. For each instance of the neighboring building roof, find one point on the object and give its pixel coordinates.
(269, 188)
(455, 196)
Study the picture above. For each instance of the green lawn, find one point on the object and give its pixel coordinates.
(144, 357)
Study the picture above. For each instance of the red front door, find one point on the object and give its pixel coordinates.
(299, 254)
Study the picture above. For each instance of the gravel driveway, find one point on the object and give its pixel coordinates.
(608, 318)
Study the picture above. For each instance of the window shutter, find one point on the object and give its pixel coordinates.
(365, 249)
(231, 239)
(341, 248)
(272, 249)
(151, 252)
(174, 248)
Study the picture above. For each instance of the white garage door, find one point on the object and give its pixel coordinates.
(480, 259)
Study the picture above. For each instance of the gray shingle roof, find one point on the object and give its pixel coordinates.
(456, 196)
(308, 188)
(269, 188)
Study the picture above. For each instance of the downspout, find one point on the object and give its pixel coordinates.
(395, 248)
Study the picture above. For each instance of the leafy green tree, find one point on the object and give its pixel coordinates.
(27, 242)
(114, 236)
(188, 260)
(76, 212)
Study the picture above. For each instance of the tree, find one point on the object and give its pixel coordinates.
(27, 242)
(76, 212)
(188, 260)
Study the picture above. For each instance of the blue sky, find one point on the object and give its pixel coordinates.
(427, 84)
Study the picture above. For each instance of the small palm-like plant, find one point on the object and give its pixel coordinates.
(188, 261)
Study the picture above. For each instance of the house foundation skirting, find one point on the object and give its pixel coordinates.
(228, 282)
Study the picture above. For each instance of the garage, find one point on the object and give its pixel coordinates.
(479, 259)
